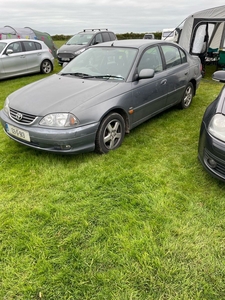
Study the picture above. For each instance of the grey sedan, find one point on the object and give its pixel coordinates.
(22, 56)
(101, 95)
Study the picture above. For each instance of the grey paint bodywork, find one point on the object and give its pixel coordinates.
(91, 99)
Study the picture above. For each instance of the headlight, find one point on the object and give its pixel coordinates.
(59, 120)
(6, 106)
(79, 51)
(217, 127)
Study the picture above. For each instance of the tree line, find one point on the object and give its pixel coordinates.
(120, 36)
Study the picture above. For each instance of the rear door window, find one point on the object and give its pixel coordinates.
(106, 36)
(172, 56)
(38, 46)
(29, 46)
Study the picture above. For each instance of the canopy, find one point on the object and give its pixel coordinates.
(202, 30)
(8, 32)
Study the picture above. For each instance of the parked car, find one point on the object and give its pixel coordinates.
(22, 56)
(102, 94)
(149, 36)
(81, 41)
(211, 148)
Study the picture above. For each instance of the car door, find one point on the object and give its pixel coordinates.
(149, 95)
(14, 60)
(33, 52)
(177, 72)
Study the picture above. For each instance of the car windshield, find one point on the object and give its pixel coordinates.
(80, 39)
(2, 46)
(102, 62)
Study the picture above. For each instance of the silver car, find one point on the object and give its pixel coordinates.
(102, 94)
(22, 56)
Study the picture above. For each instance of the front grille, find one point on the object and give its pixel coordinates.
(21, 118)
(219, 167)
(66, 55)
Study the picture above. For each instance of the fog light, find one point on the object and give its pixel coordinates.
(212, 163)
(65, 147)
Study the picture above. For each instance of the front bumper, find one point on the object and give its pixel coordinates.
(65, 57)
(211, 153)
(68, 141)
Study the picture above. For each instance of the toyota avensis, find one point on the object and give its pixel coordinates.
(102, 94)
(22, 56)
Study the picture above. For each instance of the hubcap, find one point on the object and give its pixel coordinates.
(112, 134)
(188, 96)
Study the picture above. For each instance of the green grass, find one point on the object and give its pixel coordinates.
(142, 222)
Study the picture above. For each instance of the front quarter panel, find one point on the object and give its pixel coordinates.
(121, 101)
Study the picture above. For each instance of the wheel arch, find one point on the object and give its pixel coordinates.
(46, 59)
(194, 83)
(122, 113)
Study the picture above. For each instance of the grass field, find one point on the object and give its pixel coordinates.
(142, 222)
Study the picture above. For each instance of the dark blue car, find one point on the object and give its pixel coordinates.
(211, 149)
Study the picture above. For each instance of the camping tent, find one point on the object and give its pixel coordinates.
(8, 32)
(203, 30)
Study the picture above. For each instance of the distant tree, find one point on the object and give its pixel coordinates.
(120, 36)
(61, 37)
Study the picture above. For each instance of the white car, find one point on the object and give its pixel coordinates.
(22, 56)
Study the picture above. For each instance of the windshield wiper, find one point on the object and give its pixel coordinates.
(82, 75)
(107, 76)
(86, 76)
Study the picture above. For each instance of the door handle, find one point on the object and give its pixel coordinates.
(163, 82)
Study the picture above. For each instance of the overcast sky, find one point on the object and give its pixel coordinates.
(120, 16)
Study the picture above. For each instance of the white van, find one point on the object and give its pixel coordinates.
(169, 34)
(149, 36)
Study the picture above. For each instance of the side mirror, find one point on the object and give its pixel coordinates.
(146, 73)
(9, 51)
(219, 76)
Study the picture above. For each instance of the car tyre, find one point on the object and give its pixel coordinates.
(110, 134)
(187, 96)
(46, 67)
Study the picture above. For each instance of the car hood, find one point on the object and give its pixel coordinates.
(61, 94)
(70, 48)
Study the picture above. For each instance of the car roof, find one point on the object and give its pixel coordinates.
(16, 40)
(92, 31)
(136, 43)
